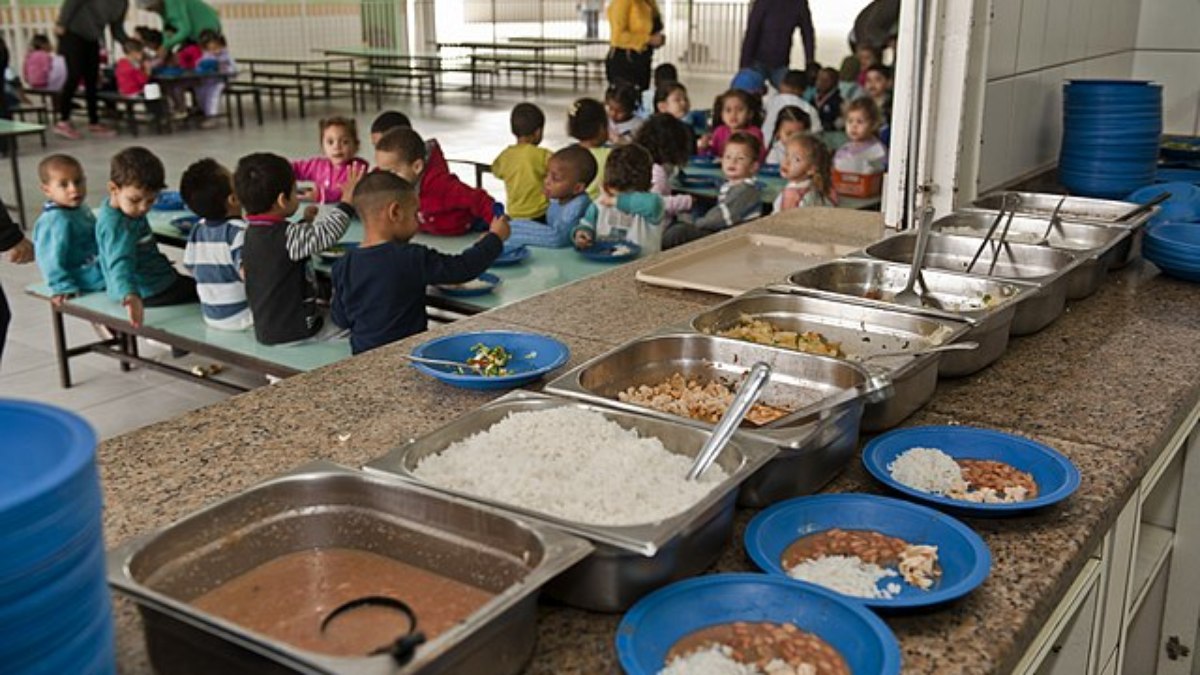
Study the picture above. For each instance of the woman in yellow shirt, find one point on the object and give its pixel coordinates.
(637, 30)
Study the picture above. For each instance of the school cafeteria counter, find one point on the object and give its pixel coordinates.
(1122, 366)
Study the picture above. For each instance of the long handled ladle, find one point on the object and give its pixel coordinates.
(747, 395)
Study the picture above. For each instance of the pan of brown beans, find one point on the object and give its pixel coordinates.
(760, 642)
(986, 473)
(870, 546)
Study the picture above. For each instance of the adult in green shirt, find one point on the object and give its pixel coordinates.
(187, 18)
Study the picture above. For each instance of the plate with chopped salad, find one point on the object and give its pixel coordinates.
(492, 359)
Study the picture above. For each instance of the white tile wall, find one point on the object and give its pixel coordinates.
(1058, 25)
(1168, 24)
(1002, 45)
(1080, 16)
(995, 165)
(1032, 38)
(1178, 73)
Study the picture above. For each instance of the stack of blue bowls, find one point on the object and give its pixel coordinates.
(54, 602)
(1175, 249)
(1111, 131)
(1183, 205)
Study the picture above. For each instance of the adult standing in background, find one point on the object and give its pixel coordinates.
(186, 18)
(637, 30)
(767, 45)
(16, 249)
(590, 9)
(80, 28)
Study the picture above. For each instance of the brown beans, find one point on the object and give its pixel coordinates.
(761, 642)
(871, 547)
(983, 473)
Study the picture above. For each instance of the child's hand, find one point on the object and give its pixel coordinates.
(583, 239)
(60, 299)
(606, 199)
(133, 304)
(501, 228)
(353, 176)
(704, 143)
(21, 253)
(310, 214)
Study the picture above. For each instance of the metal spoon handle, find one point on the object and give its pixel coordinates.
(988, 235)
(1139, 210)
(954, 347)
(438, 362)
(746, 396)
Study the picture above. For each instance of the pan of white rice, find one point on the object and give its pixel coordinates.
(614, 477)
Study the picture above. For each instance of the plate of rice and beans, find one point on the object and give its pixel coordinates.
(883, 552)
(971, 471)
(753, 624)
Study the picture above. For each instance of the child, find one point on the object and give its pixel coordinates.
(217, 59)
(277, 253)
(790, 121)
(878, 85)
(131, 72)
(136, 273)
(664, 73)
(65, 234)
(828, 100)
(669, 142)
(379, 287)
(43, 69)
(339, 143)
(568, 174)
(739, 200)
(385, 122)
(806, 167)
(867, 56)
(214, 250)
(739, 112)
(672, 98)
(791, 94)
(449, 207)
(627, 211)
(522, 167)
(587, 123)
(621, 104)
(864, 153)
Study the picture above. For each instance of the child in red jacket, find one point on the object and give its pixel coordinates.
(448, 206)
(131, 71)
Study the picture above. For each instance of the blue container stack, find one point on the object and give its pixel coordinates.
(1175, 249)
(1111, 131)
(54, 601)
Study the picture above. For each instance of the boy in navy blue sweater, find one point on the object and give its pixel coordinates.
(379, 288)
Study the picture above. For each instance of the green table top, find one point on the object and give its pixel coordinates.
(14, 128)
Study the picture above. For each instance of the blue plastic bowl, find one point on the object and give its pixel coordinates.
(511, 256)
(185, 224)
(659, 620)
(1185, 236)
(534, 356)
(1172, 251)
(1055, 475)
(169, 200)
(458, 292)
(1182, 207)
(962, 554)
(1165, 257)
(605, 251)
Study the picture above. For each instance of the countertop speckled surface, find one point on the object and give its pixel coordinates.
(1106, 384)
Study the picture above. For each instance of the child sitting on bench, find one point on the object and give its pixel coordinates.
(65, 234)
(214, 249)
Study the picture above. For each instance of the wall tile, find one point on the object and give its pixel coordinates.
(1029, 124)
(1058, 27)
(1181, 87)
(1050, 133)
(1081, 13)
(1031, 41)
(1097, 27)
(995, 165)
(1002, 38)
(1168, 24)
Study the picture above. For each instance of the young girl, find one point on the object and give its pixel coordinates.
(669, 142)
(791, 121)
(588, 124)
(806, 167)
(339, 143)
(621, 102)
(43, 69)
(737, 111)
(672, 98)
(864, 154)
(216, 59)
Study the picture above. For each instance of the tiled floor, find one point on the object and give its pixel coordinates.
(116, 402)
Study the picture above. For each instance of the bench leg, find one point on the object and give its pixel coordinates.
(60, 348)
(132, 117)
(124, 338)
(300, 100)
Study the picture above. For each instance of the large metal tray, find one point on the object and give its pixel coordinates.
(1082, 209)
(629, 561)
(827, 394)
(326, 505)
(863, 331)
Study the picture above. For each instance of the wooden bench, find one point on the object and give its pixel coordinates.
(271, 84)
(236, 92)
(153, 112)
(181, 327)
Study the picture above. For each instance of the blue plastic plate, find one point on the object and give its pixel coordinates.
(533, 356)
(962, 555)
(456, 291)
(512, 256)
(1055, 475)
(338, 251)
(701, 161)
(169, 200)
(659, 620)
(607, 251)
(185, 223)
(701, 182)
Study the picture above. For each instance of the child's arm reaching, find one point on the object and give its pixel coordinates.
(440, 268)
(583, 235)
(307, 239)
(645, 204)
(117, 247)
(556, 232)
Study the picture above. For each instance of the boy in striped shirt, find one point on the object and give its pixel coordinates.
(214, 250)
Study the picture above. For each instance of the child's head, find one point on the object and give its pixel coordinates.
(339, 139)
(135, 49)
(388, 120)
(265, 185)
(211, 41)
(672, 98)
(207, 189)
(750, 81)
(387, 205)
(794, 82)
(664, 73)
(867, 56)
(737, 109)
(527, 121)
(569, 173)
(587, 122)
(402, 151)
(807, 158)
(740, 160)
(792, 120)
(668, 140)
(629, 169)
(827, 79)
(62, 180)
(620, 101)
(135, 178)
(41, 43)
(878, 82)
(153, 39)
(862, 119)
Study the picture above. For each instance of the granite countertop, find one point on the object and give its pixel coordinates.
(1106, 384)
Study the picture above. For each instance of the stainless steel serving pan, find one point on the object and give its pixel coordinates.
(814, 442)
(326, 505)
(628, 561)
(862, 331)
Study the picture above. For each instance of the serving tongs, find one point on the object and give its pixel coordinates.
(1004, 210)
(745, 398)
(1054, 220)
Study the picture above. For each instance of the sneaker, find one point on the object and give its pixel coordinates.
(101, 131)
(67, 130)
(209, 123)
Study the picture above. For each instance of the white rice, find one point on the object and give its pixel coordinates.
(574, 464)
(928, 470)
(848, 575)
(717, 660)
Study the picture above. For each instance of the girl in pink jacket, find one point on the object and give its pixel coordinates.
(339, 143)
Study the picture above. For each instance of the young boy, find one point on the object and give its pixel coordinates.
(136, 273)
(65, 234)
(568, 175)
(627, 210)
(664, 74)
(385, 122)
(131, 72)
(276, 254)
(214, 250)
(448, 206)
(791, 93)
(379, 287)
(878, 85)
(828, 99)
(739, 200)
(522, 167)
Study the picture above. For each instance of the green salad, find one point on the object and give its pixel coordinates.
(491, 361)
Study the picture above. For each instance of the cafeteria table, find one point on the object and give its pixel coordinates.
(11, 131)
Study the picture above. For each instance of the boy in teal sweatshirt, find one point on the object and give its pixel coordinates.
(626, 210)
(65, 234)
(137, 274)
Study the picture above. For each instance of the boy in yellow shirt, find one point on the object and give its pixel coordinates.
(522, 167)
